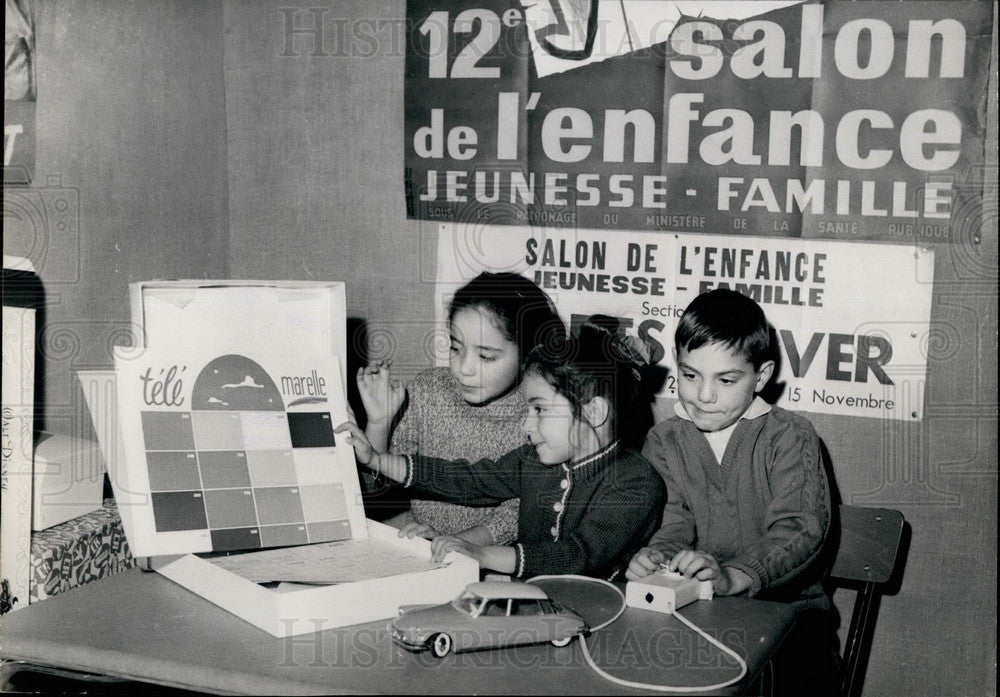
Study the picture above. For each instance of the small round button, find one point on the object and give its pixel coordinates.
(554, 530)
(564, 484)
(557, 506)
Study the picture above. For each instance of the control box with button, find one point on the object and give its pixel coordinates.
(666, 591)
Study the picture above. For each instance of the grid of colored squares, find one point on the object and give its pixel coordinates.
(254, 479)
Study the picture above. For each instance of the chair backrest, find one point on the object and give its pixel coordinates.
(867, 553)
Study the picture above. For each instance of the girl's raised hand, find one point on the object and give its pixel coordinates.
(381, 395)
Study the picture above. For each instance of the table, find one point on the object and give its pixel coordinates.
(138, 625)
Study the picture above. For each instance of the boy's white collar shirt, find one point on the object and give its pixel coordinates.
(718, 440)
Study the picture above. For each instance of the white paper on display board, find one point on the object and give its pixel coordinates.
(233, 451)
(304, 317)
(850, 343)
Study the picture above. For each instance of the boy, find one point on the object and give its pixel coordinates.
(748, 505)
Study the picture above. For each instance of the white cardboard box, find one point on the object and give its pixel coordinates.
(69, 479)
(227, 315)
(315, 609)
(285, 613)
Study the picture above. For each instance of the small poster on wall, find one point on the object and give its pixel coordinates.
(849, 342)
(19, 94)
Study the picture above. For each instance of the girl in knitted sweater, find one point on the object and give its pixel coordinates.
(470, 409)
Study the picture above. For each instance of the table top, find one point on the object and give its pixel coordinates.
(139, 625)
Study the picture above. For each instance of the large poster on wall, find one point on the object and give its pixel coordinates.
(838, 119)
(849, 342)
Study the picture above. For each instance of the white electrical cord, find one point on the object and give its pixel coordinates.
(631, 683)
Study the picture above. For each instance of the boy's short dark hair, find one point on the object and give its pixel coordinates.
(727, 317)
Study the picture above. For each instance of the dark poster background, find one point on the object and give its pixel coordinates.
(906, 162)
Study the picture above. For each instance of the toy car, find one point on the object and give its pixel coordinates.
(487, 615)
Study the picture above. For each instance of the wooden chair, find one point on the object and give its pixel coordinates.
(866, 560)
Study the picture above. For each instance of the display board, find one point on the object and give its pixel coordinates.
(234, 451)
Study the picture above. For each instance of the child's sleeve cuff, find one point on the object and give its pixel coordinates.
(408, 479)
(518, 560)
(752, 569)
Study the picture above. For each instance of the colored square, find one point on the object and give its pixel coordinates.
(265, 430)
(235, 538)
(223, 469)
(173, 470)
(283, 535)
(230, 508)
(271, 467)
(278, 505)
(178, 510)
(323, 502)
(329, 530)
(217, 430)
(167, 430)
(317, 466)
(310, 429)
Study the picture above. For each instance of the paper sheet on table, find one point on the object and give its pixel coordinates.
(344, 561)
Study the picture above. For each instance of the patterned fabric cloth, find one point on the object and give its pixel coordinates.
(587, 517)
(765, 509)
(439, 423)
(78, 551)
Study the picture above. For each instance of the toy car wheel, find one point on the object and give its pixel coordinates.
(441, 645)
(562, 642)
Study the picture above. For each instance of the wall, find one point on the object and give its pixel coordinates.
(130, 173)
(315, 160)
(203, 144)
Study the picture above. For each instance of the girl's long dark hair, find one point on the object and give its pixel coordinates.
(523, 312)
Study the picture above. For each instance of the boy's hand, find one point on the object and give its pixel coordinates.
(646, 561)
(363, 450)
(704, 567)
(694, 564)
(415, 529)
(381, 396)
